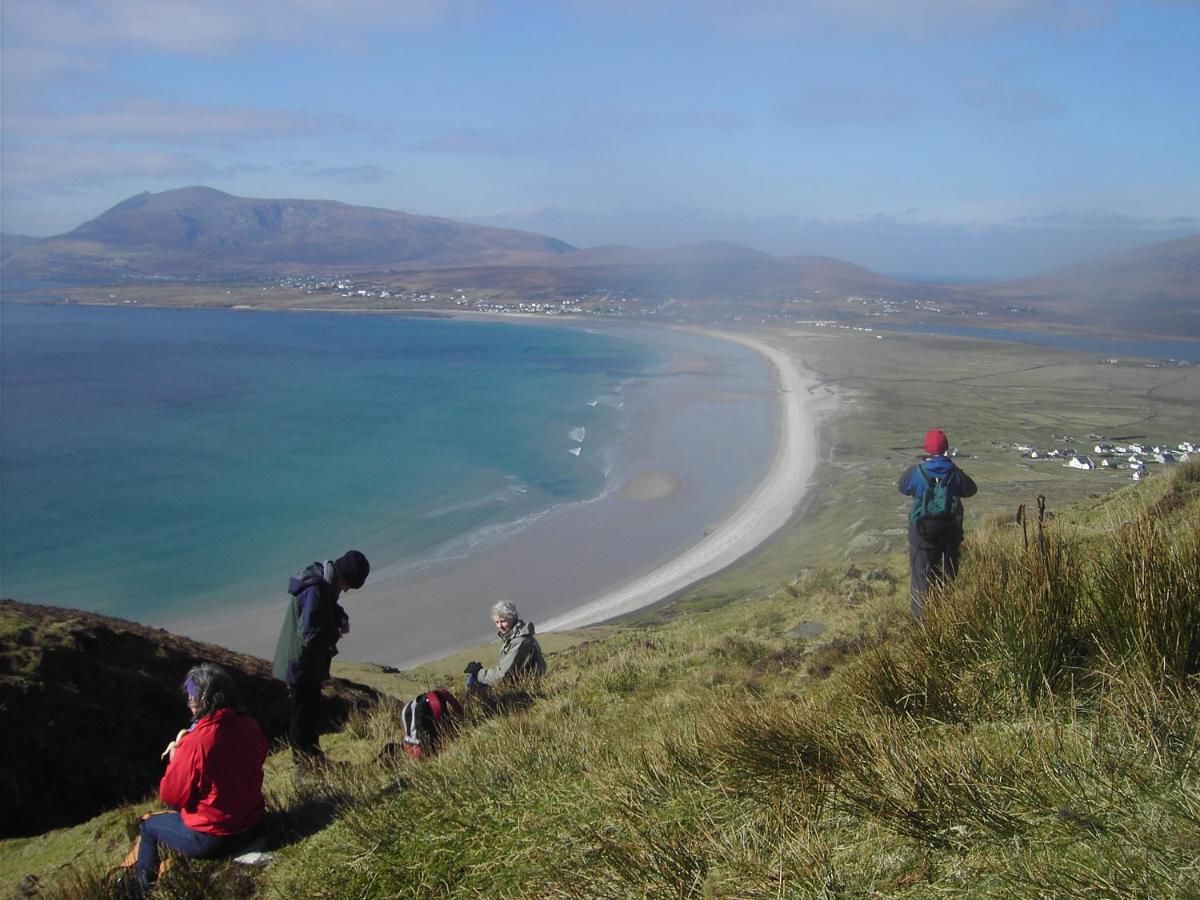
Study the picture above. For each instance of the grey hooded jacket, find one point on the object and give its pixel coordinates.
(520, 654)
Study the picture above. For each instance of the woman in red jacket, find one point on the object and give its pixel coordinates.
(213, 781)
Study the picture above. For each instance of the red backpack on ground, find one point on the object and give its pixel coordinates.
(427, 719)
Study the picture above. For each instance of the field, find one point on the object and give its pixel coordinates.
(987, 396)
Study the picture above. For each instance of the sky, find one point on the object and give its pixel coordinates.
(955, 139)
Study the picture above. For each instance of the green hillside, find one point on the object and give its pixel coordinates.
(1036, 736)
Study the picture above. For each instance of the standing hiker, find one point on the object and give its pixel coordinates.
(935, 531)
(308, 642)
(520, 653)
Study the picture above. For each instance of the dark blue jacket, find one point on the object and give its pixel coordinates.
(311, 627)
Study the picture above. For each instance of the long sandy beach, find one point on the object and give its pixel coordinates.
(763, 513)
(564, 571)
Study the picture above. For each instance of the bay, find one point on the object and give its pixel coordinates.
(151, 459)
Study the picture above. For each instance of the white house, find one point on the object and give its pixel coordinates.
(1081, 462)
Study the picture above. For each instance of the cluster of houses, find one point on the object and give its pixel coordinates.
(1133, 457)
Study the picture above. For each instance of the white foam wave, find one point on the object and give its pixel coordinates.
(577, 434)
(574, 451)
(506, 494)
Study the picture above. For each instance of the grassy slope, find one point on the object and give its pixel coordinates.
(1038, 735)
(804, 740)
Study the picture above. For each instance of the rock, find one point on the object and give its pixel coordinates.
(807, 630)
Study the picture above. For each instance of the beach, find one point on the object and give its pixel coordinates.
(654, 534)
(764, 512)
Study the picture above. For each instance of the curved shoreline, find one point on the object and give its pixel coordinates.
(764, 512)
(383, 611)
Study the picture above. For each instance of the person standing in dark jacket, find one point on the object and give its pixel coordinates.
(308, 641)
(934, 543)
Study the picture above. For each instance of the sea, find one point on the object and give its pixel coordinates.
(164, 464)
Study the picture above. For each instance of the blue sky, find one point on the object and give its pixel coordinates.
(960, 138)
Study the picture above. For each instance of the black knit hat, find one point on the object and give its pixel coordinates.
(353, 569)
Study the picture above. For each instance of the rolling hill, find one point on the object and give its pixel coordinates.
(1155, 288)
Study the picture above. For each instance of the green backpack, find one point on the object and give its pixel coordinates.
(935, 508)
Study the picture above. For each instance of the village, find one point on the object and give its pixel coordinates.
(1133, 457)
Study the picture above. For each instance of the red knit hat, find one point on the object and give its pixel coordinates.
(935, 441)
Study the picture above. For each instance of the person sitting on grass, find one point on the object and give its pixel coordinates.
(213, 781)
(520, 653)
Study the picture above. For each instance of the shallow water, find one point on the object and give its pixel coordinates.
(150, 457)
(174, 466)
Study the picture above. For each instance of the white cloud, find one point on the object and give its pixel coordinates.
(1008, 101)
(467, 141)
(366, 174)
(50, 165)
(205, 27)
(913, 19)
(153, 121)
(832, 106)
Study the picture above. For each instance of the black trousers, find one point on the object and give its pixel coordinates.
(304, 728)
(931, 559)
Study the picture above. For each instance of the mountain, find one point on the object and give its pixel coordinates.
(198, 232)
(89, 702)
(1151, 289)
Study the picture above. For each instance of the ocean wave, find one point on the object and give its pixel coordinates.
(574, 451)
(577, 434)
(460, 546)
(504, 495)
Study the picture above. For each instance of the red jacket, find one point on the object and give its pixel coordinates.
(215, 777)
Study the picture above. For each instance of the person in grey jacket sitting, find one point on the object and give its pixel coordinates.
(520, 653)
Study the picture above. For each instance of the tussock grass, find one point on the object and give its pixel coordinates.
(1037, 735)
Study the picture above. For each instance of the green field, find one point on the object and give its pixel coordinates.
(988, 396)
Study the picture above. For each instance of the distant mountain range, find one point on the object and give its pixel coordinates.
(201, 234)
(1152, 288)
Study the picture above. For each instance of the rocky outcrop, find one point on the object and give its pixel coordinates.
(88, 702)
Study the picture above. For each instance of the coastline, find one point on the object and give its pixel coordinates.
(562, 564)
(767, 509)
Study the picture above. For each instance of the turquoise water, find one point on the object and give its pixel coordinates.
(150, 457)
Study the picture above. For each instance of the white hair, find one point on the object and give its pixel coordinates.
(506, 610)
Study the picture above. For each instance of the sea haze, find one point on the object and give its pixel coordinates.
(165, 464)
